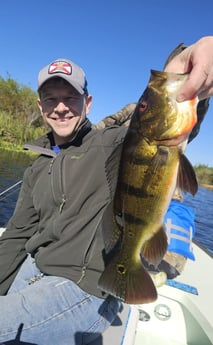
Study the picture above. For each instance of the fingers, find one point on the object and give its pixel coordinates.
(179, 64)
(197, 60)
(199, 83)
(205, 94)
(196, 83)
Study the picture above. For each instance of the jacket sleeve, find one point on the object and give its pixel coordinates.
(120, 118)
(20, 228)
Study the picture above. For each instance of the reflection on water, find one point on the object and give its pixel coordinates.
(12, 166)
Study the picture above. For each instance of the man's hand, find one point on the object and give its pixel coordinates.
(197, 60)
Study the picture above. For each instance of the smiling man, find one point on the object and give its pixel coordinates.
(53, 245)
(63, 98)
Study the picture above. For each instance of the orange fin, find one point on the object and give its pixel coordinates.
(155, 248)
(133, 285)
(187, 180)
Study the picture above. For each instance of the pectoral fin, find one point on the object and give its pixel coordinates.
(155, 248)
(187, 180)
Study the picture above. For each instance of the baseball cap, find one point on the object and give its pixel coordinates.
(67, 70)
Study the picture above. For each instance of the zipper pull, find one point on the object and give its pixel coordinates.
(62, 203)
(51, 165)
(83, 272)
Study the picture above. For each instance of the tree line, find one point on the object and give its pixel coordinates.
(204, 174)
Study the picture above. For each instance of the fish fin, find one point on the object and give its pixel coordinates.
(133, 285)
(159, 160)
(154, 249)
(186, 179)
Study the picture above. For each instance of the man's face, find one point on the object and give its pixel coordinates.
(63, 108)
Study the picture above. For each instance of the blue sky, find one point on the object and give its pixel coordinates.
(117, 42)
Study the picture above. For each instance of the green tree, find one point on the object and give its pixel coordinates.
(18, 101)
(20, 118)
(204, 174)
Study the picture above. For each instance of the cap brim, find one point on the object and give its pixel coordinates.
(65, 77)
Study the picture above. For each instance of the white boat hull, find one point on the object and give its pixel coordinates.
(180, 316)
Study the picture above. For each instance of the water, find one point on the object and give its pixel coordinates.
(202, 204)
(12, 166)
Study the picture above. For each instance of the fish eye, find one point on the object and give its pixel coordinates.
(143, 106)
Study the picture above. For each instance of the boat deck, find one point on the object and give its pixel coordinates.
(183, 312)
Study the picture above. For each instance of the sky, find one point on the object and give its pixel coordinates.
(116, 42)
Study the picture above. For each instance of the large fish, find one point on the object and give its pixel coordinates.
(152, 164)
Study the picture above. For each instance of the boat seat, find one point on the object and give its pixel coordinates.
(122, 330)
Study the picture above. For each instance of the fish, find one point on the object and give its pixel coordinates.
(152, 165)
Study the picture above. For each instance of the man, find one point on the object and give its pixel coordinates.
(58, 221)
(51, 255)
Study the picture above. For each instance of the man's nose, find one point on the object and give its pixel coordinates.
(61, 107)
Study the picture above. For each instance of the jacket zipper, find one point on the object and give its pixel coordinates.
(51, 166)
(63, 198)
(84, 267)
(83, 272)
(62, 203)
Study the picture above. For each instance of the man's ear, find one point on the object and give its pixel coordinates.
(88, 103)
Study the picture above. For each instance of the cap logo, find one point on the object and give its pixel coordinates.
(60, 67)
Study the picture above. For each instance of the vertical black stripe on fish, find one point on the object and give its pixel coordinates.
(160, 157)
(130, 219)
(135, 191)
(138, 160)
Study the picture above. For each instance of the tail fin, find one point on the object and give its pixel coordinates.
(131, 283)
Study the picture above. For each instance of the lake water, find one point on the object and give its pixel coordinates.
(12, 166)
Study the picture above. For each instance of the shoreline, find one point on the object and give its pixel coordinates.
(207, 186)
(4, 146)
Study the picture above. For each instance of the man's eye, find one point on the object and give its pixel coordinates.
(71, 98)
(49, 100)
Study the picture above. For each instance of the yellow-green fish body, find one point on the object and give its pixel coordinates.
(152, 164)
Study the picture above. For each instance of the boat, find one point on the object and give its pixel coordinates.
(181, 315)
(183, 312)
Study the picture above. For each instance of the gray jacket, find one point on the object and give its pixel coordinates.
(58, 216)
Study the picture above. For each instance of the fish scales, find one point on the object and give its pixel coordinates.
(151, 157)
